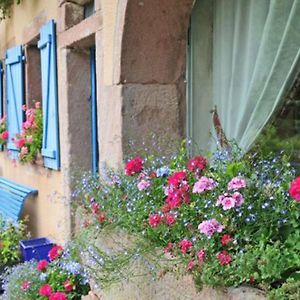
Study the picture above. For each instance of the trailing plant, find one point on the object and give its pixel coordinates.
(29, 141)
(3, 131)
(5, 6)
(60, 279)
(229, 220)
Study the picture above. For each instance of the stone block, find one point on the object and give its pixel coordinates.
(70, 15)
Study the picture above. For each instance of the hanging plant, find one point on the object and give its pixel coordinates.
(5, 6)
(3, 131)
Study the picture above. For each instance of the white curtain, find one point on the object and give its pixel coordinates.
(256, 50)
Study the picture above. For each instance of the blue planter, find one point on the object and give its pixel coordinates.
(36, 249)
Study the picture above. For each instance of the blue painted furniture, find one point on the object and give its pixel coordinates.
(12, 197)
(36, 249)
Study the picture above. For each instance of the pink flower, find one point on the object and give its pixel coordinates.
(226, 239)
(45, 290)
(191, 265)
(27, 125)
(58, 296)
(210, 227)
(4, 135)
(134, 166)
(68, 285)
(37, 105)
(201, 256)
(185, 245)
(239, 199)
(2, 120)
(25, 285)
(236, 183)
(177, 179)
(295, 189)
(143, 184)
(20, 143)
(168, 248)
(204, 184)
(197, 164)
(228, 203)
(224, 258)
(29, 139)
(24, 151)
(55, 252)
(155, 220)
(42, 265)
(166, 208)
(170, 219)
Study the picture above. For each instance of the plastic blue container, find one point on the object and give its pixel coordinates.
(36, 249)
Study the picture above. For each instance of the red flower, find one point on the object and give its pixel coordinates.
(185, 246)
(168, 248)
(58, 296)
(20, 143)
(166, 208)
(295, 189)
(224, 258)
(42, 265)
(134, 166)
(68, 285)
(197, 164)
(45, 290)
(55, 252)
(101, 217)
(201, 256)
(170, 219)
(4, 135)
(226, 239)
(155, 220)
(153, 175)
(177, 179)
(95, 207)
(191, 265)
(25, 285)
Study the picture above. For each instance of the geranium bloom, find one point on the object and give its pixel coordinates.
(177, 179)
(201, 256)
(185, 245)
(166, 208)
(55, 252)
(170, 219)
(204, 184)
(45, 290)
(155, 220)
(101, 217)
(226, 239)
(25, 285)
(68, 285)
(236, 183)
(42, 265)
(191, 265)
(295, 189)
(143, 184)
(209, 227)
(27, 125)
(58, 296)
(20, 143)
(197, 164)
(224, 258)
(134, 166)
(168, 248)
(228, 202)
(4, 135)
(239, 199)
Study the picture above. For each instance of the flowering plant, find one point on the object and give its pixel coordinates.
(227, 218)
(60, 279)
(29, 141)
(3, 131)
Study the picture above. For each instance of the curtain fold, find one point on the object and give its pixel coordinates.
(255, 58)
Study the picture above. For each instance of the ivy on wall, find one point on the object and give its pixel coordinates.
(5, 6)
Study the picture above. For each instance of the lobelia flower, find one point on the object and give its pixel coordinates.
(55, 252)
(134, 166)
(236, 183)
(42, 265)
(201, 256)
(209, 227)
(155, 220)
(162, 172)
(226, 239)
(196, 164)
(45, 290)
(25, 285)
(185, 246)
(294, 190)
(143, 184)
(224, 258)
(58, 296)
(204, 184)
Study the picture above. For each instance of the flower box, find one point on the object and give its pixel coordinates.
(36, 249)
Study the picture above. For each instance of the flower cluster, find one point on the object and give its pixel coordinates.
(29, 141)
(3, 131)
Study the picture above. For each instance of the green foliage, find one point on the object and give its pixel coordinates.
(10, 235)
(5, 6)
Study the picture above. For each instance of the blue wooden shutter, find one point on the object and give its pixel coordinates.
(95, 152)
(47, 46)
(1, 94)
(14, 95)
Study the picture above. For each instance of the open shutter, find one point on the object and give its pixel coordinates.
(1, 94)
(14, 95)
(47, 46)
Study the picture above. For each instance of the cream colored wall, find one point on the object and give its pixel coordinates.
(23, 17)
